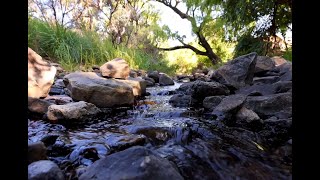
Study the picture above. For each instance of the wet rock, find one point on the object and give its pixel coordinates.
(230, 103)
(72, 111)
(59, 83)
(89, 87)
(139, 163)
(181, 100)
(237, 72)
(49, 140)
(268, 105)
(156, 135)
(138, 85)
(40, 75)
(36, 151)
(44, 169)
(200, 89)
(56, 90)
(154, 75)
(264, 63)
(84, 155)
(59, 99)
(165, 80)
(211, 102)
(39, 106)
(118, 142)
(116, 68)
(150, 82)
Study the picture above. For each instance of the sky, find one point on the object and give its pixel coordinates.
(183, 26)
(174, 21)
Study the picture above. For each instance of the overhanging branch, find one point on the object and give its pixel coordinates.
(186, 46)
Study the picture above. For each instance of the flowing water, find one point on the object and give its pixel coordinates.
(201, 147)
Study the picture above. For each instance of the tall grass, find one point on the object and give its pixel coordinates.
(75, 50)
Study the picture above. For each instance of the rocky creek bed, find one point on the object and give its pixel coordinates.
(234, 123)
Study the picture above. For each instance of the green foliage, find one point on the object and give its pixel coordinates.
(247, 44)
(240, 14)
(74, 50)
(288, 54)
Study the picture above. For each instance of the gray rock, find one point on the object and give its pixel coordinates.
(133, 163)
(40, 75)
(212, 101)
(72, 111)
(36, 105)
(116, 68)
(44, 169)
(264, 63)
(237, 72)
(59, 99)
(150, 82)
(247, 115)
(165, 80)
(200, 89)
(181, 100)
(154, 75)
(59, 83)
(230, 103)
(266, 80)
(37, 151)
(89, 87)
(270, 104)
(257, 90)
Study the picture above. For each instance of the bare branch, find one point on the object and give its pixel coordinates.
(197, 51)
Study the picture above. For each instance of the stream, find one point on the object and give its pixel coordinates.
(200, 146)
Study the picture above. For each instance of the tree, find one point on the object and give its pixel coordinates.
(198, 13)
(260, 18)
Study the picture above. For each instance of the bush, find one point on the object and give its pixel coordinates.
(74, 50)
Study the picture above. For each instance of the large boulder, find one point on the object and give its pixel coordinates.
(36, 151)
(200, 89)
(270, 105)
(260, 89)
(72, 111)
(40, 75)
(264, 63)
(116, 68)
(44, 169)
(237, 72)
(134, 163)
(89, 87)
(165, 80)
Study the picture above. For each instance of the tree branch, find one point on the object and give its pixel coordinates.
(186, 46)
